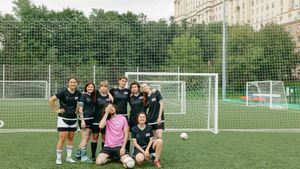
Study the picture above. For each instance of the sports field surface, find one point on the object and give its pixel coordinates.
(201, 150)
(238, 149)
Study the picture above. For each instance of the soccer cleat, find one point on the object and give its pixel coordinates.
(93, 159)
(70, 160)
(78, 154)
(58, 161)
(152, 157)
(157, 164)
(85, 159)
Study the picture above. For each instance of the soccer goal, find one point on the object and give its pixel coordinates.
(24, 89)
(174, 93)
(190, 99)
(266, 93)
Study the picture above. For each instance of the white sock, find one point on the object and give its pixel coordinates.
(69, 151)
(58, 154)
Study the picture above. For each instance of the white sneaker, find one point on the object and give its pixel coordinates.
(70, 160)
(58, 161)
(85, 159)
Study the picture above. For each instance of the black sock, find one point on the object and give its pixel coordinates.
(94, 148)
(127, 145)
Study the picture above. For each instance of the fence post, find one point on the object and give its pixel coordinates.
(49, 81)
(3, 82)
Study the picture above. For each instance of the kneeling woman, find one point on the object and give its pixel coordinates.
(144, 144)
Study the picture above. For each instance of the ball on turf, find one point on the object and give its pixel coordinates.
(128, 162)
(184, 136)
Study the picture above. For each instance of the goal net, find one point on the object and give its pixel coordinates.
(23, 89)
(266, 93)
(190, 99)
(174, 93)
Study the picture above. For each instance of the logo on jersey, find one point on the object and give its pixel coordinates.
(76, 98)
(153, 99)
(125, 92)
(141, 97)
(147, 134)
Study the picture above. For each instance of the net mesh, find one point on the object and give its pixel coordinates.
(199, 98)
(103, 46)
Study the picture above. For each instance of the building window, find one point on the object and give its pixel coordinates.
(298, 39)
(298, 27)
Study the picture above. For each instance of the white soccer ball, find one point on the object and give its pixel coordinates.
(184, 136)
(128, 162)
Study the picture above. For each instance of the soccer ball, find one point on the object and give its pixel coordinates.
(128, 162)
(184, 136)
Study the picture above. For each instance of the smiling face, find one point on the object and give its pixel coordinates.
(122, 83)
(146, 88)
(90, 88)
(72, 84)
(142, 118)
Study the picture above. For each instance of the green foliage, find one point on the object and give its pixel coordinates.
(185, 50)
(122, 42)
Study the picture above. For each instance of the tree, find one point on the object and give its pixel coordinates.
(278, 57)
(185, 52)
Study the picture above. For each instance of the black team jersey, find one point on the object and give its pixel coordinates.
(68, 101)
(153, 105)
(136, 105)
(142, 136)
(121, 97)
(88, 106)
(100, 102)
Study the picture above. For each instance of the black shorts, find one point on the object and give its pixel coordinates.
(132, 123)
(155, 126)
(136, 151)
(112, 152)
(95, 128)
(88, 123)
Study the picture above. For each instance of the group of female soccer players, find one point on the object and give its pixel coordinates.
(103, 111)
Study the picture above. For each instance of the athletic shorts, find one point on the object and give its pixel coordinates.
(95, 128)
(136, 151)
(112, 152)
(155, 126)
(132, 123)
(64, 124)
(88, 123)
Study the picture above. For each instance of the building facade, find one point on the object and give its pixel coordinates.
(252, 12)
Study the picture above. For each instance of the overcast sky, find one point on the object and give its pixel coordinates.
(154, 9)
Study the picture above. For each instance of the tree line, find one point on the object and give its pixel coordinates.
(35, 35)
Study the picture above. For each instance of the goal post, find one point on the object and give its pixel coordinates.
(24, 89)
(190, 99)
(266, 93)
(174, 93)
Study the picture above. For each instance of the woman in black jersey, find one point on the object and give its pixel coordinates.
(136, 103)
(66, 120)
(102, 97)
(143, 141)
(154, 101)
(86, 117)
(121, 96)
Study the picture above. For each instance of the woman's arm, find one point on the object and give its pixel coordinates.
(103, 120)
(52, 101)
(136, 145)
